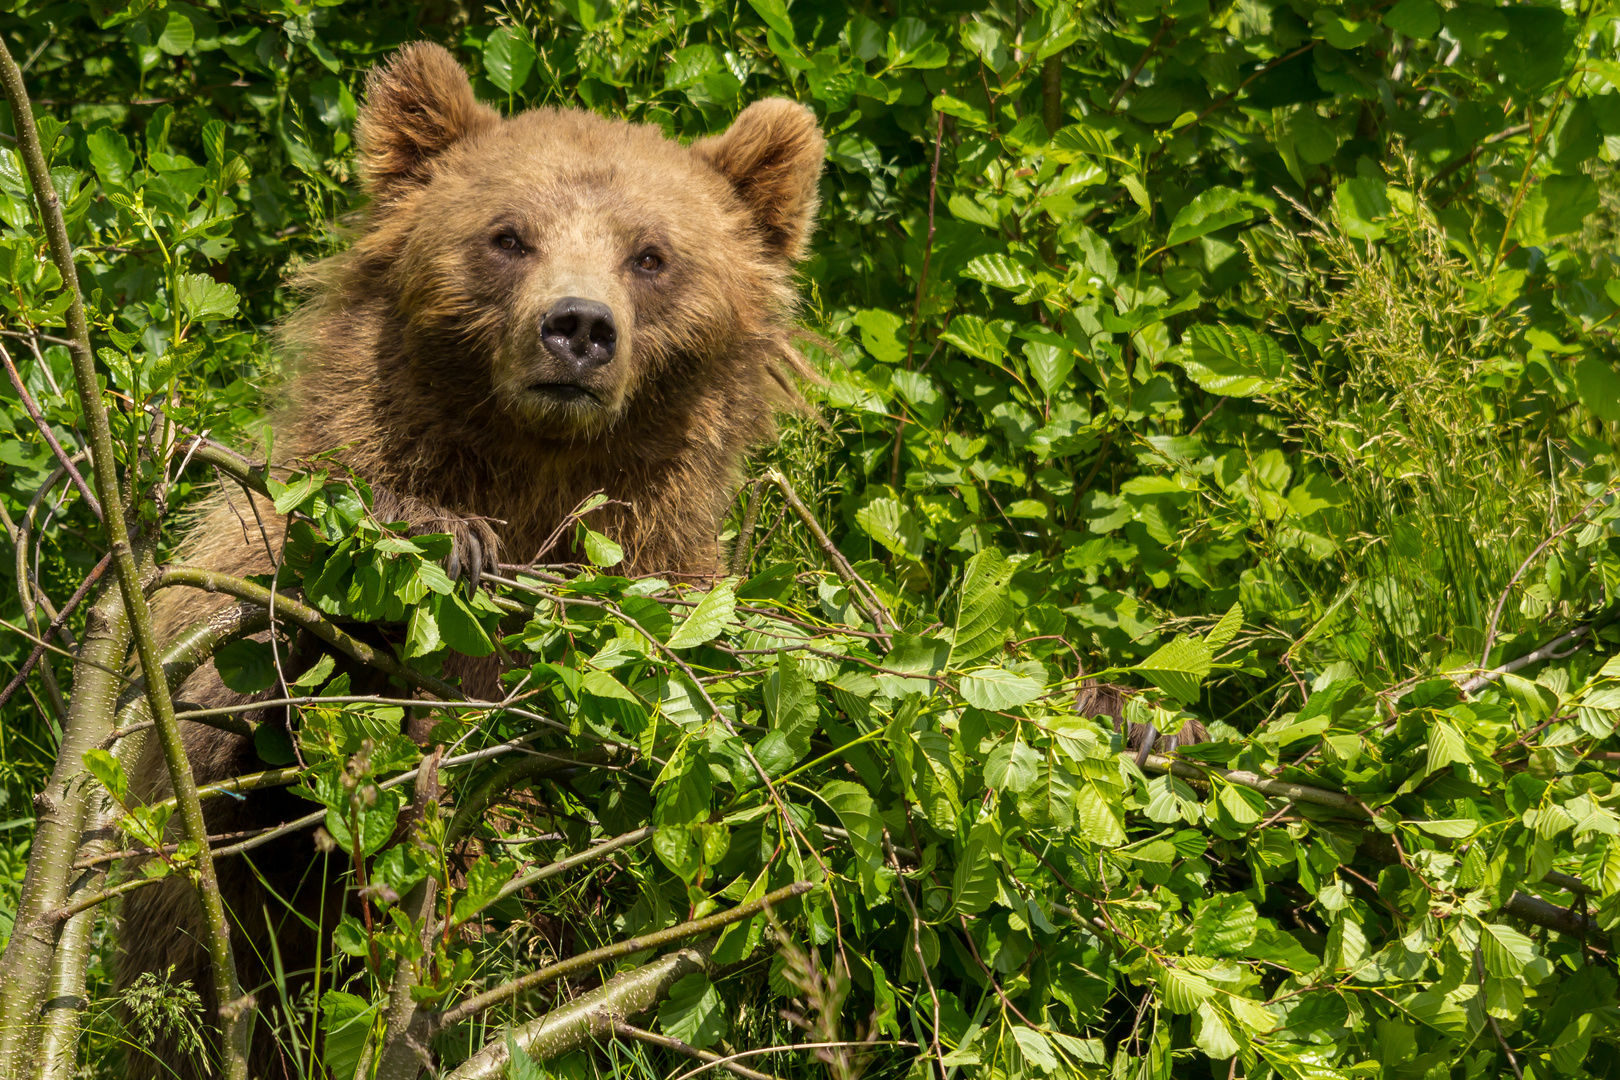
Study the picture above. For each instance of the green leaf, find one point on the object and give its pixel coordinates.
(708, 619)
(1050, 364)
(1183, 989)
(1557, 206)
(774, 14)
(178, 34)
(859, 816)
(1211, 1034)
(985, 609)
(346, 1021)
(997, 688)
(795, 708)
(508, 59)
(205, 299)
(893, 525)
(1224, 926)
(1446, 746)
(984, 340)
(1414, 18)
(600, 550)
(974, 883)
(1504, 950)
(1209, 211)
(1362, 205)
(246, 666)
(693, 1012)
(1000, 271)
(1178, 668)
(1597, 382)
(484, 881)
(1224, 631)
(1012, 765)
(1234, 361)
(1035, 1047)
(105, 768)
(110, 156)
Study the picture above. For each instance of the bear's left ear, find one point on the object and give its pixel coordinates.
(772, 156)
(417, 106)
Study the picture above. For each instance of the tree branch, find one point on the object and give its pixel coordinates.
(234, 1043)
(585, 960)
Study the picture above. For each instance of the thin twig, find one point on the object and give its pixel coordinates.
(643, 1035)
(1501, 601)
(1141, 61)
(56, 624)
(44, 428)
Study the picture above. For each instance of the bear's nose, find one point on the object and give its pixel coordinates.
(580, 333)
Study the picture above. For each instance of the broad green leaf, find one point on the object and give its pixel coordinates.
(601, 550)
(508, 59)
(105, 768)
(997, 688)
(858, 814)
(1224, 631)
(893, 525)
(1362, 206)
(1209, 211)
(1224, 926)
(1012, 765)
(1414, 18)
(984, 340)
(1035, 1047)
(795, 708)
(1098, 816)
(708, 619)
(346, 1022)
(1183, 989)
(205, 299)
(1598, 384)
(1178, 668)
(974, 881)
(1446, 746)
(1050, 364)
(984, 610)
(1211, 1033)
(110, 156)
(693, 1012)
(1234, 361)
(246, 666)
(1505, 950)
(1557, 206)
(1000, 271)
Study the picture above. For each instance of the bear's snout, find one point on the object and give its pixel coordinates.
(580, 333)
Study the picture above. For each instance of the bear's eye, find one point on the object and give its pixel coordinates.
(507, 242)
(649, 262)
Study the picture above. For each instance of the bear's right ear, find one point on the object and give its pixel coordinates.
(417, 105)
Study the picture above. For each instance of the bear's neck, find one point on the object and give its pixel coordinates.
(408, 424)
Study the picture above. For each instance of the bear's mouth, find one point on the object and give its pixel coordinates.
(565, 393)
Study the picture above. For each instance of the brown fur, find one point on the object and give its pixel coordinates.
(419, 362)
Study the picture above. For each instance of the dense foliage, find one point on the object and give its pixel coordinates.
(1256, 357)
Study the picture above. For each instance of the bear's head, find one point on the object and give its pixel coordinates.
(565, 267)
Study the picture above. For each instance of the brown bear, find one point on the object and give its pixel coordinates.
(535, 309)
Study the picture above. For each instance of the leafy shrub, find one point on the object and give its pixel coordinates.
(1258, 358)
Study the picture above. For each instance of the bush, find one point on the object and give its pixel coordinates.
(1256, 359)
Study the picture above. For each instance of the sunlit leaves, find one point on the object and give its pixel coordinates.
(984, 609)
(1234, 361)
(711, 615)
(1207, 212)
(693, 1012)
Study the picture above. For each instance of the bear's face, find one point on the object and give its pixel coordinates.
(573, 264)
